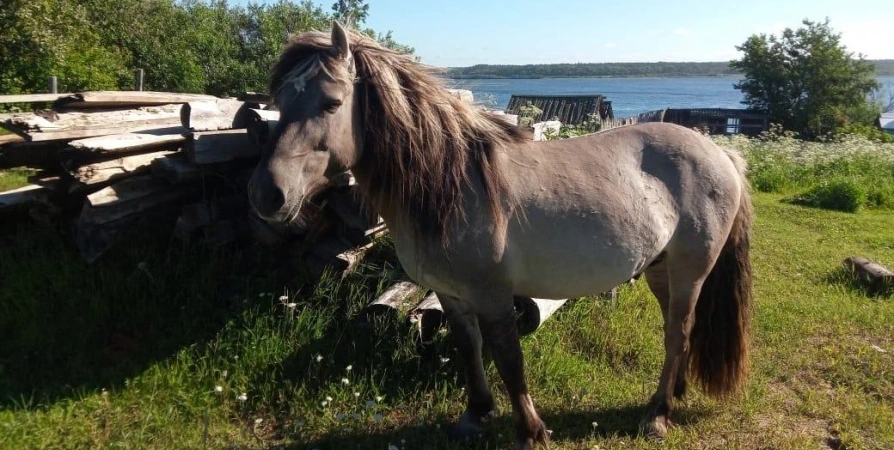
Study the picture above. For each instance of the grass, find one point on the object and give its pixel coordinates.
(14, 178)
(130, 352)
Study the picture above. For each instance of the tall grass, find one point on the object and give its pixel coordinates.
(844, 174)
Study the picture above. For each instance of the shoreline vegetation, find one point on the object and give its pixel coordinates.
(883, 67)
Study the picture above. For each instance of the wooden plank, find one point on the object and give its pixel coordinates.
(26, 154)
(92, 174)
(21, 195)
(210, 147)
(128, 142)
(176, 169)
(127, 198)
(220, 114)
(104, 99)
(50, 125)
(260, 124)
(400, 297)
(256, 97)
(10, 139)
(31, 98)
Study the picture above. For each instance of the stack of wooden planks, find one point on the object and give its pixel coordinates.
(106, 161)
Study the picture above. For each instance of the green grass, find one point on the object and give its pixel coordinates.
(127, 353)
(14, 178)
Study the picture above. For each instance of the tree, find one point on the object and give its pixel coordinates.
(806, 80)
(352, 13)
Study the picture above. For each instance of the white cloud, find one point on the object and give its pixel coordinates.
(683, 32)
(611, 45)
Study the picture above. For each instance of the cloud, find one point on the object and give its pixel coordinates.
(683, 32)
(611, 45)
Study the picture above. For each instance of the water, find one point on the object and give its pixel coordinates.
(629, 96)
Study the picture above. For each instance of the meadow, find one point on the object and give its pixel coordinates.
(166, 346)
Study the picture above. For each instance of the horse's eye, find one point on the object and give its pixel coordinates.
(332, 106)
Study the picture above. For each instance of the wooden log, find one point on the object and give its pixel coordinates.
(336, 255)
(25, 154)
(10, 139)
(428, 316)
(209, 147)
(878, 278)
(119, 99)
(260, 124)
(129, 142)
(533, 312)
(115, 169)
(48, 125)
(31, 98)
(400, 297)
(129, 197)
(221, 114)
(21, 196)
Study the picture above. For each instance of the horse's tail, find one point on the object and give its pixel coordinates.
(720, 335)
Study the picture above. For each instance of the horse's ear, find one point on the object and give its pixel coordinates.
(340, 40)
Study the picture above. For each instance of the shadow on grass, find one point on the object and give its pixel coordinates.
(570, 426)
(67, 327)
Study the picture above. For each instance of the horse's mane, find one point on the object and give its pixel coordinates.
(422, 145)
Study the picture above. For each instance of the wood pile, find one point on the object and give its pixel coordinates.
(107, 161)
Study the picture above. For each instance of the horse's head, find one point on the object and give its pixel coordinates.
(316, 137)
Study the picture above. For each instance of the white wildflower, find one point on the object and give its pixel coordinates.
(324, 403)
(259, 421)
(349, 368)
(379, 398)
(328, 398)
(218, 388)
(356, 395)
(283, 298)
(444, 360)
(345, 381)
(319, 358)
(290, 305)
(242, 397)
(224, 373)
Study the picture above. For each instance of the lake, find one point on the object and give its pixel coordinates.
(629, 96)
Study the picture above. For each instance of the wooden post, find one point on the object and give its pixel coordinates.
(53, 85)
(138, 80)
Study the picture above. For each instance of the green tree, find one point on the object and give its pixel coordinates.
(806, 80)
(352, 13)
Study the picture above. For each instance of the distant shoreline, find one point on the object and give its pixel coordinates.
(560, 77)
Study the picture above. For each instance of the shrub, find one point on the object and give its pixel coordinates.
(840, 194)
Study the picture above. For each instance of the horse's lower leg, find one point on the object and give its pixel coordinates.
(466, 336)
(678, 324)
(657, 279)
(501, 336)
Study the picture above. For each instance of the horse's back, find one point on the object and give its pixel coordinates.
(598, 209)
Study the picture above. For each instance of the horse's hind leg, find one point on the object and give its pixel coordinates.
(685, 274)
(657, 279)
(500, 333)
(466, 336)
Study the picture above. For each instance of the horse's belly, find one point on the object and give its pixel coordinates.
(582, 256)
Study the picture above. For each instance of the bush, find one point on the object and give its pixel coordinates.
(841, 194)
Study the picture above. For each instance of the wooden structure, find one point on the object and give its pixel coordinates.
(568, 109)
(719, 120)
(109, 160)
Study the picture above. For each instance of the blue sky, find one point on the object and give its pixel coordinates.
(466, 32)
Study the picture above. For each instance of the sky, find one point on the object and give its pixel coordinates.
(466, 32)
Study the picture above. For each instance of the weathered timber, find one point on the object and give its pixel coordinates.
(400, 297)
(128, 142)
(10, 139)
(31, 98)
(105, 99)
(129, 197)
(176, 168)
(255, 97)
(533, 312)
(429, 317)
(92, 174)
(878, 278)
(21, 195)
(209, 147)
(260, 124)
(48, 125)
(220, 114)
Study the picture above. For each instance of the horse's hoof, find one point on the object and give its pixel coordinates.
(467, 427)
(655, 427)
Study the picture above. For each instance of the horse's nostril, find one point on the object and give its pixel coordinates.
(267, 198)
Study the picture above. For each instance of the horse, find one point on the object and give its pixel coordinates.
(483, 215)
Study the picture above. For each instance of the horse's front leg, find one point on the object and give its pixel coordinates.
(466, 336)
(500, 333)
